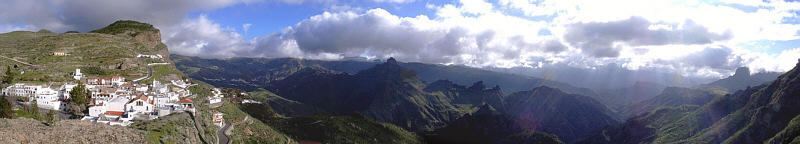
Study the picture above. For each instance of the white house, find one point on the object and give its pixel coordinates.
(77, 75)
(141, 87)
(180, 83)
(117, 80)
(66, 89)
(117, 104)
(98, 81)
(250, 101)
(216, 98)
(157, 56)
(48, 98)
(164, 101)
(159, 88)
(96, 110)
(141, 105)
(185, 104)
(21, 89)
(103, 93)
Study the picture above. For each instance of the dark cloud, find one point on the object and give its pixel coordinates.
(86, 15)
(554, 46)
(379, 33)
(376, 31)
(35, 12)
(716, 58)
(598, 38)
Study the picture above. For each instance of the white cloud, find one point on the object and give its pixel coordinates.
(245, 27)
(636, 34)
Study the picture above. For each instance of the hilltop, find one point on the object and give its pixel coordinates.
(52, 57)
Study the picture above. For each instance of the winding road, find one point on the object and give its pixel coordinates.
(149, 74)
(223, 139)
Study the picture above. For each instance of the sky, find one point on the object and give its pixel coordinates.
(703, 38)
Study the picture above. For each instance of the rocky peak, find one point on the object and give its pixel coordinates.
(477, 86)
(391, 61)
(742, 72)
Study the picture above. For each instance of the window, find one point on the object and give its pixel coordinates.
(139, 103)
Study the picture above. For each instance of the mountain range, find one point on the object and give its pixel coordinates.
(396, 102)
(397, 93)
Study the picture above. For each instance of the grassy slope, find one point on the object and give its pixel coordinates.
(85, 49)
(344, 129)
(251, 131)
(790, 134)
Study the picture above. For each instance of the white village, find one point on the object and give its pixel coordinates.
(116, 101)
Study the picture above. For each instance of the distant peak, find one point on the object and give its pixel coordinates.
(742, 71)
(477, 86)
(391, 61)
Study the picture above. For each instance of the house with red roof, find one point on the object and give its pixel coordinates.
(217, 118)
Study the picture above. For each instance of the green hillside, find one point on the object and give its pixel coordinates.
(106, 54)
(675, 97)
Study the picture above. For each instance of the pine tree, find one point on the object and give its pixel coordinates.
(79, 95)
(9, 76)
(49, 117)
(5, 108)
(35, 110)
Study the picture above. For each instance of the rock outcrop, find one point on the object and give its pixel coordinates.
(149, 38)
(25, 130)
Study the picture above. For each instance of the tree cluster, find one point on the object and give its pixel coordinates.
(78, 99)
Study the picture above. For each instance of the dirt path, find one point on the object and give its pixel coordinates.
(23, 63)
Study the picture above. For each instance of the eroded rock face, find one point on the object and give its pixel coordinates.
(25, 130)
(149, 39)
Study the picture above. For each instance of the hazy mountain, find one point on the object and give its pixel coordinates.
(622, 98)
(760, 114)
(469, 97)
(569, 116)
(386, 92)
(252, 73)
(390, 93)
(487, 126)
(611, 76)
(674, 97)
(742, 79)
